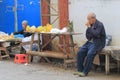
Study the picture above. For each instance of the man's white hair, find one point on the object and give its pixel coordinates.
(93, 15)
(24, 22)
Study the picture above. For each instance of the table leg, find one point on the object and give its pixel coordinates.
(43, 46)
(107, 64)
(65, 51)
(64, 43)
(73, 49)
(7, 53)
(39, 42)
(72, 43)
(32, 40)
(118, 63)
(0, 56)
(31, 46)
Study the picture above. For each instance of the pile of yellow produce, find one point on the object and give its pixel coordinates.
(41, 29)
(28, 29)
(49, 27)
(31, 29)
(5, 37)
(46, 28)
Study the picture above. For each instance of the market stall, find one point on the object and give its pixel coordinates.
(68, 57)
(5, 44)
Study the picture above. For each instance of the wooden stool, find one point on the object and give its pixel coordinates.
(6, 55)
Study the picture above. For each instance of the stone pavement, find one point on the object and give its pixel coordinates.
(11, 71)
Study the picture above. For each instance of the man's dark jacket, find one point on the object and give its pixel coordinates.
(25, 34)
(97, 33)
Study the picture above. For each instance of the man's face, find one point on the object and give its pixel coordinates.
(91, 20)
(24, 25)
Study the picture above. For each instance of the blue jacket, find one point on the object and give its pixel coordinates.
(97, 34)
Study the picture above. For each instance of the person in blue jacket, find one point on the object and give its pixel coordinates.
(96, 38)
(22, 32)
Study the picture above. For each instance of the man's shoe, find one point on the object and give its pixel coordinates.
(82, 74)
(77, 73)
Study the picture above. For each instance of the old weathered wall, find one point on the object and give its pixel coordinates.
(107, 11)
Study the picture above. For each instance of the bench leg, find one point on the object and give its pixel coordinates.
(0, 56)
(107, 64)
(118, 65)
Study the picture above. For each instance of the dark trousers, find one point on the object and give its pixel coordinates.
(87, 51)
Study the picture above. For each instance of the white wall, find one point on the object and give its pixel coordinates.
(107, 11)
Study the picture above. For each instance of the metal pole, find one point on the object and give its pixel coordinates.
(41, 11)
(15, 16)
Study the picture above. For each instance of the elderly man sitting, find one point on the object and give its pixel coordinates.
(24, 25)
(96, 37)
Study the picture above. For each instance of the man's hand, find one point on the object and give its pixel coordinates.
(88, 25)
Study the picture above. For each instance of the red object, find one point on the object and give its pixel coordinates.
(64, 19)
(45, 10)
(63, 13)
(21, 58)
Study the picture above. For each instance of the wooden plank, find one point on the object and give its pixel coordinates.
(0, 56)
(2, 48)
(118, 66)
(72, 42)
(48, 41)
(49, 14)
(11, 40)
(48, 54)
(39, 47)
(61, 48)
(31, 43)
(6, 53)
(53, 8)
(5, 56)
(96, 60)
(70, 61)
(66, 33)
(24, 43)
(55, 20)
(64, 43)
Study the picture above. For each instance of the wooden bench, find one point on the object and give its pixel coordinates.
(6, 55)
(107, 52)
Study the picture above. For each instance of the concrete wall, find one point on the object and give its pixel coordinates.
(107, 11)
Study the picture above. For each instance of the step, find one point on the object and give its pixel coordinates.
(5, 56)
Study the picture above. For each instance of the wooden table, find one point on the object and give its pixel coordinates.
(4, 48)
(68, 57)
